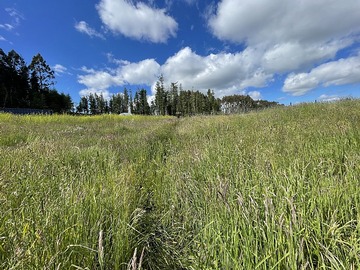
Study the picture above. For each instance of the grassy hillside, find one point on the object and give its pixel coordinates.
(277, 189)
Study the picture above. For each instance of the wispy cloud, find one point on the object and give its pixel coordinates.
(15, 18)
(83, 27)
(7, 26)
(60, 70)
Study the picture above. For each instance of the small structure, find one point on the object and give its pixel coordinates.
(127, 113)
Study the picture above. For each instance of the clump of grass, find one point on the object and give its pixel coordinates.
(276, 189)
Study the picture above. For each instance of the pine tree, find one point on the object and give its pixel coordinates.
(101, 103)
(125, 103)
(92, 104)
(160, 96)
(174, 98)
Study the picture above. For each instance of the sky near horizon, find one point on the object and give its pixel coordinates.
(278, 50)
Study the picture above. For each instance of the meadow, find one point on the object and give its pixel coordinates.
(276, 189)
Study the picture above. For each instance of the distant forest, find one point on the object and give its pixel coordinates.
(32, 86)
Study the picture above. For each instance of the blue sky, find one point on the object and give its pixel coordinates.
(278, 50)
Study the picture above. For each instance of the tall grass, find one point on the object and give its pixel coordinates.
(278, 189)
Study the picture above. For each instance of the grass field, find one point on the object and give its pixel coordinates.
(277, 189)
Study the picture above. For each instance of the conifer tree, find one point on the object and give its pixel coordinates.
(160, 96)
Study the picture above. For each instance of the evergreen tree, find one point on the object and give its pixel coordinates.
(83, 106)
(160, 96)
(145, 108)
(173, 98)
(125, 103)
(131, 103)
(92, 104)
(116, 103)
(141, 105)
(101, 103)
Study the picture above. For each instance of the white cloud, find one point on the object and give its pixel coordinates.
(279, 21)
(14, 13)
(224, 73)
(299, 84)
(255, 95)
(329, 98)
(291, 35)
(280, 37)
(97, 81)
(139, 21)
(340, 72)
(15, 16)
(83, 27)
(7, 26)
(285, 57)
(60, 69)
(86, 92)
(2, 38)
(143, 72)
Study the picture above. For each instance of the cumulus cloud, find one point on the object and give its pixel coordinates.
(340, 72)
(279, 36)
(99, 81)
(83, 27)
(292, 35)
(277, 21)
(292, 56)
(143, 72)
(138, 21)
(225, 73)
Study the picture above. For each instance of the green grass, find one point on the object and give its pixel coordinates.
(278, 189)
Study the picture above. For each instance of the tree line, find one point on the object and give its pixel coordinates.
(167, 101)
(170, 100)
(32, 86)
(29, 86)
